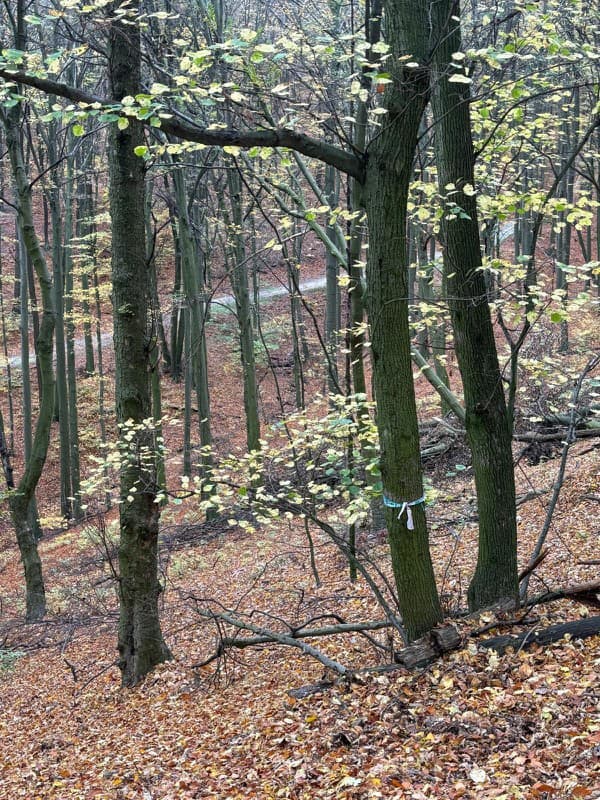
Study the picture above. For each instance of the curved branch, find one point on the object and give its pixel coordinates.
(186, 129)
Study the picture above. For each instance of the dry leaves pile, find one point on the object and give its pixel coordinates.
(474, 725)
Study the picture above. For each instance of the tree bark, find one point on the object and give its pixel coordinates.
(390, 161)
(140, 643)
(21, 499)
(487, 424)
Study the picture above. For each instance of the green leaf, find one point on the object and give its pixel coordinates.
(15, 56)
(141, 150)
(122, 123)
(78, 130)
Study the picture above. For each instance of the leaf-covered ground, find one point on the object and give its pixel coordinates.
(473, 725)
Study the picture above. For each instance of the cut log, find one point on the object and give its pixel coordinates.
(580, 629)
(429, 648)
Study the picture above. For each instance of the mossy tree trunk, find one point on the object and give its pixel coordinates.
(487, 423)
(385, 192)
(22, 498)
(141, 645)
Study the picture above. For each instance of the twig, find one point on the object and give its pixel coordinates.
(97, 675)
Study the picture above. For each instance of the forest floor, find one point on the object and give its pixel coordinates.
(525, 725)
(472, 725)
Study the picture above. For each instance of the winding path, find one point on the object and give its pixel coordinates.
(228, 301)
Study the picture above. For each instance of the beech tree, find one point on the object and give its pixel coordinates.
(488, 429)
(22, 496)
(141, 645)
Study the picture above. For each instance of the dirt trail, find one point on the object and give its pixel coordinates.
(227, 301)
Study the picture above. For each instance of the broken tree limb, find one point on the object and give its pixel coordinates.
(583, 413)
(579, 629)
(525, 498)
(581, 592)
(266, 636)
(590, 496)
(436, 450)
(558, 436)
(308, 633)
(429, 648)
(445, 393)
(534, 564)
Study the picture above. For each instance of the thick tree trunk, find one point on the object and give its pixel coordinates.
(487, 423)
(390, 160)
(141, 644)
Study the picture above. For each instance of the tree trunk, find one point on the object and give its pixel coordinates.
(487, 424)
(196, 369)
(21, 499)
(141, 644)
(390, 160)
(61, 411)
(70, 341)
(239, 285)
(332, 293)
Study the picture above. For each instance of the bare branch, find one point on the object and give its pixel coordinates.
(184, 128)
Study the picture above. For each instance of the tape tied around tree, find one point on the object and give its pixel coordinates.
(405, 505)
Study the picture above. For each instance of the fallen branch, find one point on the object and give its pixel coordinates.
(533, 564)
(583, 413)
(525, 498)
(558, 436)
(581, 592)
(594, 497)
(436, 450)
(294, 638)
(308, 633)
(579, 629)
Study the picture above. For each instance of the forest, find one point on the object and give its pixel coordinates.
(299, 399)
